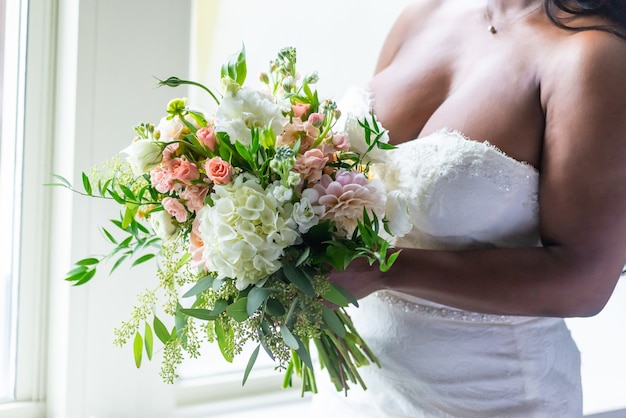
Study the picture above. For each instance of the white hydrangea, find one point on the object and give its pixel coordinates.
(245, 109)
(246, 231)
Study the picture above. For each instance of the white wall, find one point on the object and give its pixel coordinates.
(108, 54)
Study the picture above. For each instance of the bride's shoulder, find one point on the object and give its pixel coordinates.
(409, 20)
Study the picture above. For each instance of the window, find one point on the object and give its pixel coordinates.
(11, 67)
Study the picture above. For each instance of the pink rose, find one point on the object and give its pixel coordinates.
(310, 164)
(183, 170)
(299, 109)
(175, 208)
(207, 137)
(218, 170)
(161, 180)
(194, 195)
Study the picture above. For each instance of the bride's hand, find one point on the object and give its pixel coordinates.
(359, 278)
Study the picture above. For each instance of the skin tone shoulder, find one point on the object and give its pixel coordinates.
(553, 98)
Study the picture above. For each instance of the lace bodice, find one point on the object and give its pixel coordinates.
(463, 193)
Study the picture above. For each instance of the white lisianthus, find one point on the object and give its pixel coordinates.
(356, 106)
(247, 108)
(170, 129)
(143, 155)
(304, 215)
(163, 225)
(246, 231)
(397, 214)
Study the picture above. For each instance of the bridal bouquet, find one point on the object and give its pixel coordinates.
(246, 211)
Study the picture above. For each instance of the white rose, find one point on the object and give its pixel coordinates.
(304, 215)
(143, 155)
(163, 225)
(245, 109)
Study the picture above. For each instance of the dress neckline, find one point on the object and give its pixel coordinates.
(461, 136)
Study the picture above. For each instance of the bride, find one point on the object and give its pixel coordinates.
(510, 120)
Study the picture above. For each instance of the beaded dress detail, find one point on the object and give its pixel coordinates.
(439, 361)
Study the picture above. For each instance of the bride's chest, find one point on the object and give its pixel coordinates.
(489, 96)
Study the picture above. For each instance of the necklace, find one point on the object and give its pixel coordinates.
(489, 17)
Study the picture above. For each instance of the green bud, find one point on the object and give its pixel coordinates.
(264, 78)
(312, 78)
(177, 106)
(230, 86)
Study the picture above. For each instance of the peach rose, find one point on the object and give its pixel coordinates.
(194, 195)
(183, 170)
(299, 109)
(207, 137)
(161, 180)
(219, 171)
(175, 208)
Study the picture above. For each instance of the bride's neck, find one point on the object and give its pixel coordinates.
(511, 8)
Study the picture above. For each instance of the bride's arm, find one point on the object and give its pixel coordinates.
(582, 202)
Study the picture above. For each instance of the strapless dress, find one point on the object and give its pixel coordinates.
(439, 361)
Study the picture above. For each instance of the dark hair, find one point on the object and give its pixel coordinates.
(612, 10)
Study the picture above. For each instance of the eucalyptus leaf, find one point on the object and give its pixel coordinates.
(333, 322)
(203, 284)
(256, 297)
(296, 276)
(238, 310)
(288, 337)
(203, 314)
(250, 364)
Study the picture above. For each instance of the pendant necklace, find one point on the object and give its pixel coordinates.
(489, 16)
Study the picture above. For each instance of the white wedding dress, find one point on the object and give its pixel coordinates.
(438, 361)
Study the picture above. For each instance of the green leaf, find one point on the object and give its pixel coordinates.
(236, 68)
(143, 259)
(127, 192)
(65, 182)
(296, 276)
(161, 331)
(224, 337)
(288, 337)
(118, 262)
(88, 276)
(251, 362)
(87, 184)
(256, 297)
(87, 261)
(237, 310)
(219, 307)
(138, 349)
(349, 296)
(109, 236)
(202, 285)
(180, 320)
(149, 341)
(333, 322)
